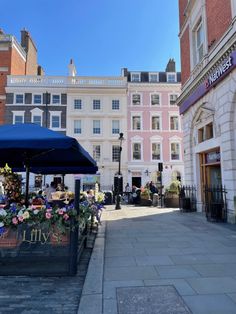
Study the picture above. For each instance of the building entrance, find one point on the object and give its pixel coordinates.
(210, 166)
(136, 181)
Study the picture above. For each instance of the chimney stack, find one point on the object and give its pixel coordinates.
(170, 66)
(72, 68)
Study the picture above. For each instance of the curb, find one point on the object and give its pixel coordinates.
(91, 298)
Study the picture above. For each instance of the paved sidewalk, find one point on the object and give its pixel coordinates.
(150, 260)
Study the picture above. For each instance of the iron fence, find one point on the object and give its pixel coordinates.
(215, 203)
(187, 198)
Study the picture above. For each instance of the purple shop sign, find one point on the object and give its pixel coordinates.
(212, 157)
(213, 79)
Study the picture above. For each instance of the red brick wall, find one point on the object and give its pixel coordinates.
(182, 6)
(5, 57)
(17, 63)
(219, 17)
(185, 55)
(16, 66)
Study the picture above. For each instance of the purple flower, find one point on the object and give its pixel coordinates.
(2, 230)
(13, 207)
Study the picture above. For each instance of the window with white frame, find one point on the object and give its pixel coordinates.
(198, 42)
(77, 104)
(153, 77)
(136, 99)
(96, 127)
(156, 123)
(37, 119)
(115, 153)
(135, 77)
(155, 99)
(96, 104)
(56, 99)
(55, 121)
(174, 123)
(136, 151)
(115, 104)
(77, 127)
(171, 77)
(37, 116)
(156, 151)
(19, 98)
(175, 151)
(136, 123)
(18, 117)
(97, 152)
(115, 126)
(38, 99)
(172, 99)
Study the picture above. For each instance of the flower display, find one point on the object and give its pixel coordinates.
(14, 215)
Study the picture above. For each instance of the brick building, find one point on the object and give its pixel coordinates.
(16, 59)
(208, 98)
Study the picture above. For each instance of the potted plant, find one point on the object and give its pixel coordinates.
(171, 196)
(145, 197)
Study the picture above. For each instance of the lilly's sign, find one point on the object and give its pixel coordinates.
(220, 70)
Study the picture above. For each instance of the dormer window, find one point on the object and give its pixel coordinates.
(135, 77)
(153, 77)
(171, 77)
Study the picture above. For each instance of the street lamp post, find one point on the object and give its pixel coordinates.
(119, 180)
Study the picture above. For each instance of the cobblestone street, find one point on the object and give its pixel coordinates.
(44, 295)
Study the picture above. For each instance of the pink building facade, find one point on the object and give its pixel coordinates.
(154, 130)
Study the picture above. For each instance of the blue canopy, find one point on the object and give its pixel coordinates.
(39, 147)
(26, 146)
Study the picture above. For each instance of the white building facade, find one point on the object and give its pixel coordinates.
(96, 115)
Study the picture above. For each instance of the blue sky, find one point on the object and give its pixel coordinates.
(101, 36)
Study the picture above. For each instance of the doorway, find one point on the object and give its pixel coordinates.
(214, 175)
(136, 181)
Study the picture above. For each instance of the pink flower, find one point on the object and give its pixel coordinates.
(48, 215)
(20, 218)
(49, 210)
(60, 211)
(14, 221)
(66, 217)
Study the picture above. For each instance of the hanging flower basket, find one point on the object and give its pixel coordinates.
(9, 238)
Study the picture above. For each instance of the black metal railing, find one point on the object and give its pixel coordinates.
(187, 198)
(215, 203)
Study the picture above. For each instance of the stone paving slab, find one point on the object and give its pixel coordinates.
(213, 285)
(215, 270)
(116, 252)
(130, 273)
(191, 259)
(153, 260)
(151, 300)
(179, 271)
(210, 304)
(120, 261)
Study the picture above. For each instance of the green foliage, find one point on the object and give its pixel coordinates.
(145, 194)
(174, 187)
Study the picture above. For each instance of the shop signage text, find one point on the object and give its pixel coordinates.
(220, 70)
(212, 157)
(36, 235)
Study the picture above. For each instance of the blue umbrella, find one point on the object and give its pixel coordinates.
(26, 146)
